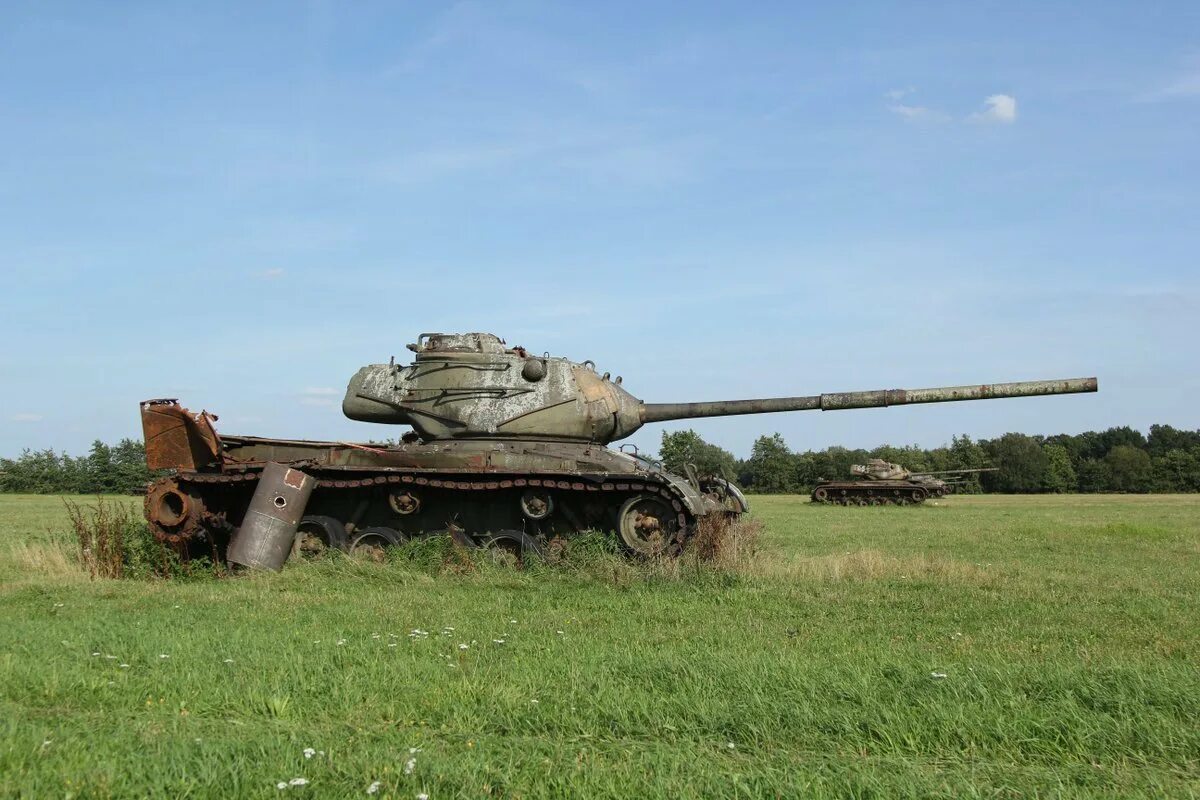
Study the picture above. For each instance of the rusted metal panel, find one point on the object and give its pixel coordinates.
(176, 438)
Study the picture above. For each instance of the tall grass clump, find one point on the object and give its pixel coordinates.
(114, 543)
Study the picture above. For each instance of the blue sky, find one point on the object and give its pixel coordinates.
(239, 204)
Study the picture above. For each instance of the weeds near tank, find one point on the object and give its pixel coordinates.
(114, 542)
(724, 542)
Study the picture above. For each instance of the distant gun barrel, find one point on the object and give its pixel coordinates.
(659, 412)
(961, 471)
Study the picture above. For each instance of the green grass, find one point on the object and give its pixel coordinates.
(1067, 629)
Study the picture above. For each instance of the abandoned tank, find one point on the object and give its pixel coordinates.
(879, 482)
(507, 449)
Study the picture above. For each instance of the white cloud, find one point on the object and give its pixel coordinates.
(26, 417)
(998, 108)
(273, 272)
(911, 112)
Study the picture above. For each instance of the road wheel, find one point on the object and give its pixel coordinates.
(316, 535)
(648, 525)
(372, 543)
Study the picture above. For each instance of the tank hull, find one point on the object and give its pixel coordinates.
(472, 489)
(870, 493)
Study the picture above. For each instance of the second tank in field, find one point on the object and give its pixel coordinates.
(879, 482)
(507, 448)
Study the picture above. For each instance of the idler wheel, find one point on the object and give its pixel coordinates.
(173, 513)
(821, 495)
(372, 543)
(536, 504)
(647, 525)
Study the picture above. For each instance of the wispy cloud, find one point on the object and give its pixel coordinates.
(26, 417)
(272, 273)
(910, 111)
(319, 396)
(1185, 86)
(997, 108)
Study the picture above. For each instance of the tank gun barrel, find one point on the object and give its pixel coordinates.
(961, 471)
(660, 412)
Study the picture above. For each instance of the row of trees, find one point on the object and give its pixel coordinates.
(1116, 460)
(115, 469)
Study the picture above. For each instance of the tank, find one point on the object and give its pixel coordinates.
(506, 449)
(880, 482)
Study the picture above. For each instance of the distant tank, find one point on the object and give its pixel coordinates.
(507, 449)
(881, 482)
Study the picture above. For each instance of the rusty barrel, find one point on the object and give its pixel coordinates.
(265, 537)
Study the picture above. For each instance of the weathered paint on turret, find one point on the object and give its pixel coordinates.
(468, 386)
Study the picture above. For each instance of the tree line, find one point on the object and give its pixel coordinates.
(1116, 460)
(106, 469)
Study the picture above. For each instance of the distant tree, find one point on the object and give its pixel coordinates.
(1124, 435)
(1060, 475)
(966, 454)
(771, 467)
(1093, 475)
(1164, 438)
(1130, 469)
(1177, 470)
(686, 447)
(1021, 464)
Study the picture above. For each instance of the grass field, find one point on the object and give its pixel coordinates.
(1067, 630)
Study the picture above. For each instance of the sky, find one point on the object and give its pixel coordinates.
(239, 204)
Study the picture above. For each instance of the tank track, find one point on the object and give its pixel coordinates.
(198, 511)
(870, 493)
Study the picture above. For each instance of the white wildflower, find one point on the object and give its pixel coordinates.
(422, 796)
(409, 766)
(341, 642)
(228, 661)
(123, 666)
(111, 658)
(298, 781)
(393, 644)
(937, 676)
(497, 641)
(309, 752)
(512, 622)
(46, 743)
(281, 785)
(374, 787)
(534, 701)
(731, 745)
(374, 635)
(95, 654)
(163, 655)
(413, 750)
(560, 633)
(463, 646)
(58, 605)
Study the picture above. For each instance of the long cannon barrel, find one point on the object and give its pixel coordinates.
(961, 471)
(658, 412)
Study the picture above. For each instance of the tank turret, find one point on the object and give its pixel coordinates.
(473, 386)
